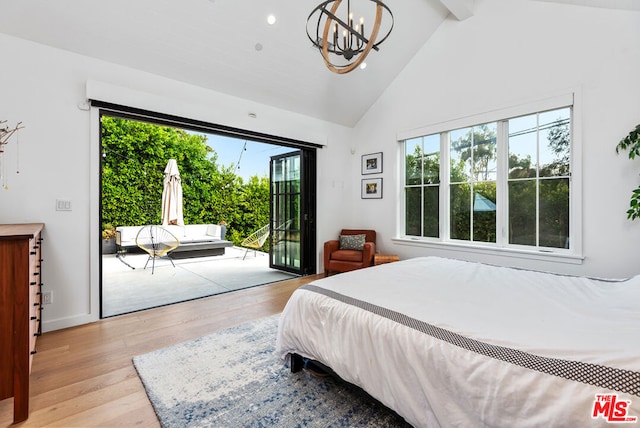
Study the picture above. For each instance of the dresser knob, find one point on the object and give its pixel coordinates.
(33, 318)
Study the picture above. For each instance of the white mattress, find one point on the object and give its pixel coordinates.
(403, 331)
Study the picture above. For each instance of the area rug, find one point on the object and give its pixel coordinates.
(232, 378)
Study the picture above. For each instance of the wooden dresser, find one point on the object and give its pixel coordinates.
(20, 305)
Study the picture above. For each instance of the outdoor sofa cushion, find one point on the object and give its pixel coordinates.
(186, 234)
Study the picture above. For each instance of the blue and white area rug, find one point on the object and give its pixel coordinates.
(232, 378)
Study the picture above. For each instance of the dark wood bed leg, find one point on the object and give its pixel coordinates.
(297, 363)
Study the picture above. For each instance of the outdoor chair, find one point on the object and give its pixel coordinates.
(256, 240)
(157, 242)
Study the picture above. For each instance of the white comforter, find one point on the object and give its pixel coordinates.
(433, 382)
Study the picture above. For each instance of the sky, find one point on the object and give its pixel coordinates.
(252, 161)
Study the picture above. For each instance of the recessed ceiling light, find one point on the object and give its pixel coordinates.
(363, 66)
(271, 19)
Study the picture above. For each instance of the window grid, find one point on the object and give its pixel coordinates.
(503, 185)
(416, 213)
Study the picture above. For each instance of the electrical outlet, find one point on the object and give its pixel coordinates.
(47, 297)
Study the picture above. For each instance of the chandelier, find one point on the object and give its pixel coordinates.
(343, 45)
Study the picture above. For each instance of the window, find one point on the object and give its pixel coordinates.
(539, 179)
(422, 186)
(504, 183)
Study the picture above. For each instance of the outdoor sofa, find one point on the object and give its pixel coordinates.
(196, 240)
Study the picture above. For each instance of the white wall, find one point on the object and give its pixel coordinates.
(511, 52)
(59, 156)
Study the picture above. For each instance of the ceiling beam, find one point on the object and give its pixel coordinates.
(461, 9)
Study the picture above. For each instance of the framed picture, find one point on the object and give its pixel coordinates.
(372, 163)
(372, 188)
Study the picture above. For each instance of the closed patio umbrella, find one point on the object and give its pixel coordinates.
(172, 195)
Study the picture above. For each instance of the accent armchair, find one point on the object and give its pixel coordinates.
(354, 250)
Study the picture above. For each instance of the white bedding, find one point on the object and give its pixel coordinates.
(401, 332)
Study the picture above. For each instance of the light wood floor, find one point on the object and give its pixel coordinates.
(84, 376)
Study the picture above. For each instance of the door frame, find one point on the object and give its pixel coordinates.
(99, 108)
(307, 219)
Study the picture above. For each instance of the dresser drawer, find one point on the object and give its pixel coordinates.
(20, 310)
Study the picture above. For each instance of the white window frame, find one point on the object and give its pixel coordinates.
(502, 247)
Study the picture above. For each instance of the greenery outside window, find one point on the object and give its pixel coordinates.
(422, 186)
(539, 179)
(504, 183)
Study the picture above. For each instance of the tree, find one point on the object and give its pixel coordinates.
(422, 169)
(477, 148)
(559, 142)
(134, 155)
(552, 192)
(473, 173)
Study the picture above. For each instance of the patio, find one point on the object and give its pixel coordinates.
(127, 290)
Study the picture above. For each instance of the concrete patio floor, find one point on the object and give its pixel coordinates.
(127, 290)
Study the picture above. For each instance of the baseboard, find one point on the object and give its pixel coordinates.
(61, 323)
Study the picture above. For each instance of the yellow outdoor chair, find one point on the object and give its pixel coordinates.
(157, 242)
(256, 240)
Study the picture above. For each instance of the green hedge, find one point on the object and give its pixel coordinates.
(134, 155)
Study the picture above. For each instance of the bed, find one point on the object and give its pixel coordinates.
(448, 343)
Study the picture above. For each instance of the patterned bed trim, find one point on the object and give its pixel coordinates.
(620, 380)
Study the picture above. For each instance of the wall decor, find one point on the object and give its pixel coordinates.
(5, 134)
(372, 163)
(372, 188)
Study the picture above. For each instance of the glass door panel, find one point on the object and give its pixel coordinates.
(286, 216)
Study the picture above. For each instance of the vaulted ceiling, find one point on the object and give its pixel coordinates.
(228, 46)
